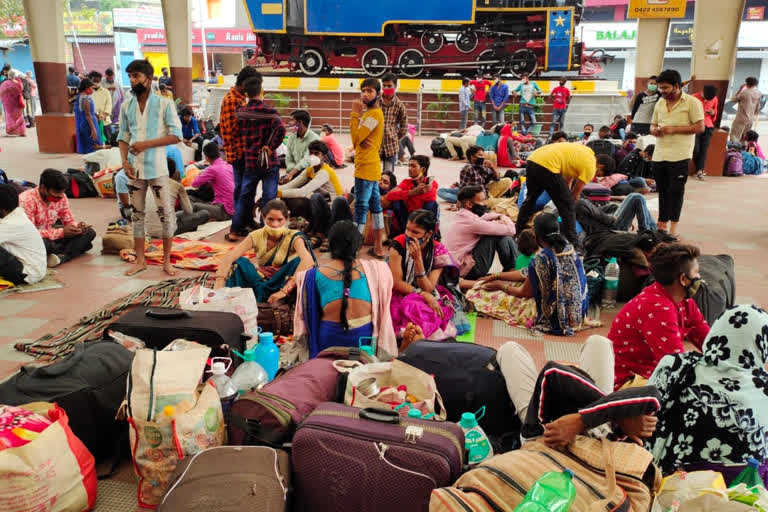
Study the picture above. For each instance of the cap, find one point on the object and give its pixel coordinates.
(266, 337)
(612, 260)
(468, 420)
(753, 462)
(414, 413)
(568, 472)
(218, 368)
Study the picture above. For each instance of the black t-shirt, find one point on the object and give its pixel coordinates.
(165, 80)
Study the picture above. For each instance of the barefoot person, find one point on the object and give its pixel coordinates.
(148, 123)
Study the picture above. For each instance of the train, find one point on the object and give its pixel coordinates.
(426, 38)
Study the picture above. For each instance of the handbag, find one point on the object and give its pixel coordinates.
(594, 270)
(276, 318)
(240, 301)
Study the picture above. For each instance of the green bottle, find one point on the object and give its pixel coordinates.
(749, 476)
(475, 440)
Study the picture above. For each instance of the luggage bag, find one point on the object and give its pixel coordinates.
(348, 459)
(597, 193)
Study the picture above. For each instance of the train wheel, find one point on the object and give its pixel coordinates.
(466, 42)
(311, 62)
(411, 63)
(431, 42)
(523, 61)
(375, 62)
(486, 64)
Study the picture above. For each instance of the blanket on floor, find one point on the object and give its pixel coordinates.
(47, 283)
(163, 294)
(186, 254)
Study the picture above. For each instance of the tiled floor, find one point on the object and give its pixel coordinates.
(722, 215)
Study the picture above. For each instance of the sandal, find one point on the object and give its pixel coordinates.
(316, 241)
(325, 246)
(372, 253)
(229, 237)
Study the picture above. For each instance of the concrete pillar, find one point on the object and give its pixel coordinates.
(651, 43)
(177, 15)
(628, 78)
(715, 32)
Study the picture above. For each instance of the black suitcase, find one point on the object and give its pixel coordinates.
(89, 385)
(157, 327)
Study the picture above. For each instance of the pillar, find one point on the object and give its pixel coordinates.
(45, 26)
(628, 77)
(716, 33)
(177, 16)
(651, 43)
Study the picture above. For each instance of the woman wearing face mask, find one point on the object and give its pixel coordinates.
(425, 281)
(279, 253)
(86, 121)
(346, 298)
(310, 193)
(549, 296)
(417, 192)
(663, 316)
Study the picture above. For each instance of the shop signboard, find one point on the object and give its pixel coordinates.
(656, 9)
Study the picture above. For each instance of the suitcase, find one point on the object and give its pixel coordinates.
(468, 377)
(597, 193)
(372, 460)
(270, 415)
(157, 327)
(89, 385)
(230, 479)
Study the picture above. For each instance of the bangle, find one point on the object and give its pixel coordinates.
(420, 275)
(416, 289)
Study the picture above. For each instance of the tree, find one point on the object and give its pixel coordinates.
(11, 12)
(108, 5)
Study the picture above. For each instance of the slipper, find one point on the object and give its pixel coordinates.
(325, 246)
(229, 237)
(371, 252)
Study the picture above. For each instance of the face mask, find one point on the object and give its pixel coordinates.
(389, 92)
(89, 91)
(314, 160)
(419, 241)
(295, 128)
(53, 199)
(96, 86)
(274, 232)
(693, 287)
(371, 103)
(587, 134)
(562, 84)
(138, 89)
(630, 147)
(479, 209)
(652, 87)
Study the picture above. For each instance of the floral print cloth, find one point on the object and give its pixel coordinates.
(514, 311)
(714, 405)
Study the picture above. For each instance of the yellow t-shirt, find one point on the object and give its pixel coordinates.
(368, 129)
(567, 158)
(687, 111)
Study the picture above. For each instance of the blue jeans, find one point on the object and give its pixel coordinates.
(498, 116)
(558, 117)
(448, 194)
(463, 123)
(245, 195)
(634, 206)
(480, 113)
(526, 110)
(367, 197)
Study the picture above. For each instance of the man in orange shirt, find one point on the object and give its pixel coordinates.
(708, 98)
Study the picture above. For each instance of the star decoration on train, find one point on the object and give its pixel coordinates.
(560, 21)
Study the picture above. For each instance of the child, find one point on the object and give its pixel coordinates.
(752, 147)
(528, 247)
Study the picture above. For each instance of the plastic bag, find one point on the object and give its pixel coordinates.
(240, 301)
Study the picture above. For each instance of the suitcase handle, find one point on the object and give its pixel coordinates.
(380, 415)
(167, 314)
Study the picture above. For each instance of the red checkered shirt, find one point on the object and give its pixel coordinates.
(395, 126)
(261, 126)
(44, 216)
(234, 142)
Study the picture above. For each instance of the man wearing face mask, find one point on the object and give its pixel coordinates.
(642, 107)
(148, 123)
(395, 121)
(47, 204)
(559, 96)
(116, 93)
(499, 95)
(297, 145)
(630, 140)
(663, 316)
(587, 136)
(102, 101)
(477, 235)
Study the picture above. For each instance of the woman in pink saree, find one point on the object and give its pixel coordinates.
(13, 104)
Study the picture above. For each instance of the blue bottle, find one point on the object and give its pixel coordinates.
(267, 354)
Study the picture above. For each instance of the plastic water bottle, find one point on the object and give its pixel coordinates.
(552, 492)
(249, 374)
(611, 286)
(266, 353)
(750, 476)
(475, 440)
(224, 387)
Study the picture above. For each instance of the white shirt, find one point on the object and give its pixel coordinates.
(21, 238)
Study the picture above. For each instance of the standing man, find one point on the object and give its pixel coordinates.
(234, 144)
(559, 96)
(676, 121)
(748, 99)
(481, 86)
(102, 102)
(499, 94)
(465, 97)
(30, 99)
(550, 169)
(642, 107)
(367, 132)
(297, 145)
(148, 123)
(165, 79)
(709, 102)
(527, 91)
(395, 121)
(73, 81)
(117, 94)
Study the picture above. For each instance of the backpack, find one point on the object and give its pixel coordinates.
(602, 147)
(734, 164)
(439, 148)
(80, 184)
(488, 140)
(751, 164)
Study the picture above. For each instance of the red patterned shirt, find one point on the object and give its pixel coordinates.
(234, 141)
(651, 326)
(44, 216)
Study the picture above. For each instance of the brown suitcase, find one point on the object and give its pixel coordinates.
(230, 479)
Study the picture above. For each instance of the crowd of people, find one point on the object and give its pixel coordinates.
(421, 277)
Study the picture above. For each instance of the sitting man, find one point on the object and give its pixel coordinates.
(478, 171)
(416, 192)
(464, 141)
(309, 194)
(638, 162)
(588, 134)
(220, 177)
(594, 219)
(627, 146)
(477, 235)
(663, 316)
(22, 252)
(47, 204)
(297, 145)
(191, 133)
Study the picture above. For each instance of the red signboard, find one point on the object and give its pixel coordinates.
(214, 37)
(755, 13)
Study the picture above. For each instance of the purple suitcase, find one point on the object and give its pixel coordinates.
(372, 460)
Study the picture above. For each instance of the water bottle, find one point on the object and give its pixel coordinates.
(249, 374)
(750, 476)
(475, 440)
(552, 492)
(266, 353)
(611, 286)
(368, 349)
(224, 387)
